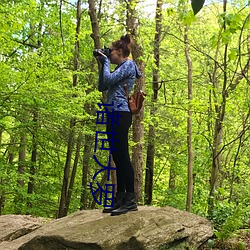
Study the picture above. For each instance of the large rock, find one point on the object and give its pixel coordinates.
(15, 226)
(147, 229)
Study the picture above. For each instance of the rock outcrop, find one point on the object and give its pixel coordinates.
(15, 226)
(147, 229)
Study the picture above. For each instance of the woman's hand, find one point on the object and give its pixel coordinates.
(101, 58)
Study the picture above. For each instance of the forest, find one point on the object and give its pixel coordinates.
(189, 144)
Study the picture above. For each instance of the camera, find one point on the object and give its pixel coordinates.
(106, 51)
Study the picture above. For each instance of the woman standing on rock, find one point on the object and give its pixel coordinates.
(125, 73)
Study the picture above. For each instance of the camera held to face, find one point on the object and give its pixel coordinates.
(106, 51)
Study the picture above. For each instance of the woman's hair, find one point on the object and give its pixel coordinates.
(124, 44)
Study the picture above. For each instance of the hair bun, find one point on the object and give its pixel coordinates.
(126, 39)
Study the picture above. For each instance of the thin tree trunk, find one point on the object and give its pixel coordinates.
(77, 43)
(245, 122)
(32, 167)
(218, 128)
(151, 134)
(189, 125)
(97, 44)
(1, 180)
(172, 170)
(96, 34)
(33, 157)
(211, 128)
(35, 112)
(19, 199)
(2, 201)
(22, 159)
(34, 144)
(87, 147)
(172, 178)
(234, 169)
(102, 183)
(1, 135)
(94, 24)
(64, 191)
(67, 170)
(11, 154)
(2, 198)
(217, 142)
(137, 126)
(88, 138)
(85, 169)
(73, 174)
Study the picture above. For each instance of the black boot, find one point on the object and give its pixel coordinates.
(128, 204)
(117, 202)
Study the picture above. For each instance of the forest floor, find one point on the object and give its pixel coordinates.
(241, 242)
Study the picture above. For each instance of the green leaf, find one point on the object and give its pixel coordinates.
(197, 5)
(233, 54)
(226, 36)
(210, 244)
(188, 17)
(170, 11)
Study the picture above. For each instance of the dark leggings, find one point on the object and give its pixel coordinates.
(124, 169)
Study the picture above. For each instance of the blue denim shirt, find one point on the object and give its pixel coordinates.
(114, 83)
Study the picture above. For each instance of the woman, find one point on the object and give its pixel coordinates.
(125, 72)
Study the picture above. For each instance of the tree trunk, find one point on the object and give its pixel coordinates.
(32, 167)
(64, 191)
(217, 142)
(85, 169)
(137, 126)
(35, 112)
(237, 155)
(9, 160)
(151, 134)
(66, 176)
(97, 44)
(172, 170)
(1, 135)
(77, 43)
(1, 179)
(220, 110)
(33, 157)
(22, 159)
(96, 33)
(2, 200)
(19, 198)
(73, 174)
(172, 178)
(94, 24)
(11, 153)
(102, 183)
(189, 125)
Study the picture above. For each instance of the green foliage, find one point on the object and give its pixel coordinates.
(221, 212)
(241, 245)
(233, 222)
(38, 80)
(210, 244)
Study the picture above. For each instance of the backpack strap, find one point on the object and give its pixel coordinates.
(126, 88)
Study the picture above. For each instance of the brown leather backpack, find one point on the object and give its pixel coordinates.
(135, 101)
